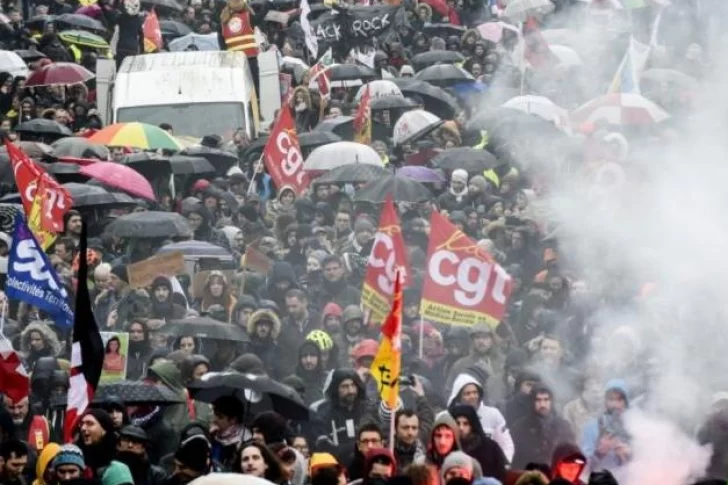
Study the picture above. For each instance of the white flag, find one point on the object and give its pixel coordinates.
(311, 40)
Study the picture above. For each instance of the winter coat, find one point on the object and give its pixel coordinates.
(478, 445)
(267, 350)
(597, 427)
(537, 436)
(175, 415)
(313, 380)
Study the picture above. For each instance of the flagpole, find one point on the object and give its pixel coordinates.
(2, 317)
(251, 186)
(422, 338)
(392, 419)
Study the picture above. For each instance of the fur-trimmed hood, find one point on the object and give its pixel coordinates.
(49, 336)
(265, 315)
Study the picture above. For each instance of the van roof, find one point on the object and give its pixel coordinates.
(175, 60)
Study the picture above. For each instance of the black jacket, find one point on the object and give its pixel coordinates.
(479, 446)
(535, 437)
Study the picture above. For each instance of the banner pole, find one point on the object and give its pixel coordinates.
(392, 420)
(422, 338)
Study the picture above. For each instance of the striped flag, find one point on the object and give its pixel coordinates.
(627, 78)
(387, 364)
(87, 352)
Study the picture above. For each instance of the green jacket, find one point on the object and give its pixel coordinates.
(176, 415)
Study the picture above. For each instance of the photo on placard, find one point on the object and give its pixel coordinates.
(116, 354)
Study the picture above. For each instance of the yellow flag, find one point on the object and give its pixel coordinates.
(387, 364)
(45, 238)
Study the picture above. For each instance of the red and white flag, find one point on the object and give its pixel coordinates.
(320, 75)
(87, 351)
(282, 154)
(14, 379)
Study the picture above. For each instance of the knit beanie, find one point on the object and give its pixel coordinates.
(70, 455)
(459, 175)
(120, 272)
(194, 453)
(117, 473)
(457, 459)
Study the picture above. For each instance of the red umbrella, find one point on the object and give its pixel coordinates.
(59, 73)
(119, 176)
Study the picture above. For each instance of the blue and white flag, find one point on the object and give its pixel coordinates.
(32, 279)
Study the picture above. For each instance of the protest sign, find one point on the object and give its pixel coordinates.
(142, 274)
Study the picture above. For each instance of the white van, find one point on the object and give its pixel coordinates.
(197, 92)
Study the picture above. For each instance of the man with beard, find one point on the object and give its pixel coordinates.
(311, 371)
(537, 434)
(72, 226)
(14, 454)
(163, 308)
(475, 443)
(342, 411)
(264, 327)
(131, 450)
(201, 224)
(20, 413)
(97, 441)
(407, 446)
(520, 402)
(334, 287)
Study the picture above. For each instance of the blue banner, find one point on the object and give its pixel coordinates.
(32, 279)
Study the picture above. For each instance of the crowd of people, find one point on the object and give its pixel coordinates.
(522, 402)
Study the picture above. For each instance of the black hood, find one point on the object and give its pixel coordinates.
(468, 412)
(281, 271)
(339, 375)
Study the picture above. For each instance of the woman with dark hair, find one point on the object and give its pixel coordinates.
(114, 361)
(256, 459)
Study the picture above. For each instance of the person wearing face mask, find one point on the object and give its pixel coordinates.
(456, 197)
(97, 441)
(131, 450)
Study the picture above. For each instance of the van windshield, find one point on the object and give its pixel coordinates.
(193, 119)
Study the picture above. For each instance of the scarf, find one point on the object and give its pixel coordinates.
(459, 196)
(145, 419)
(231, 436)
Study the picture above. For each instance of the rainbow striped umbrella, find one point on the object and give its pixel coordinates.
(136, 135)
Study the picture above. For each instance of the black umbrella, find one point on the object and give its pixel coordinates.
(392, 102)
(444, 75)
(170, 4)
(150, 224)
(220, 159)
(64, 172)
(80, 21)
(430, 58)
(78, 147)
(443, 30)
(35, 150)
(436, 100)
(205, 328)
(41, 126)
(357, 173)
(7, 216)
(401, 189)
(39, 22)
(343, 126)
(351, 72)
(174, 29)
(85, 195)
(259, 392)
(182, 165)
(470, 159)
(30, 55)
(135, 393)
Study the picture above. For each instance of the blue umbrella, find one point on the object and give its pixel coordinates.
(196, 42)
(464, 89)
(196, 248)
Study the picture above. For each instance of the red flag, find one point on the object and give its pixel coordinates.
(14, 380)
(28, 175)
(87, 351)
(386, 366)
(388, 257)
(152, 33)
(363, 119)
(282, 154)
(322, 75)
(537, 51)
(463, 284)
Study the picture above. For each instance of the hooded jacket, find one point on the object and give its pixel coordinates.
(536, 437)
(167, 310)
(266, 349)
(44, 459)
(169, 375)
(491, 420)
(566, 452)
(334, 416)
(606, 423)
(313, 379)
(279, 272)
(479, 446)
(433, 460)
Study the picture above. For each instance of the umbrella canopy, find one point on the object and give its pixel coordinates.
(435, 99)
(205, 328)
(183, 165)
(42, 126)
(401, 189)
(83, 38)
(220, 159)
(196, 248)
(121, 177)
(444, 75)
(59, 74)
(392, 102)
(85, 195)
(80, 22)
(12, 63)
(30, 55)
(343, 126)
(170, 4)
(424, 175)
(78, 147)
(135, 393)
(259, 392)
(196, 42)
(472, 160)
(620, 109)
(493, 31)
(34, 149)
(540, 106)
(378, 88)
(7, 216)
(137, 135)
(350, 72)
(430, 58)
(150, 224)
(173, 28)
(566, 55)
(520, 10)
(413, 125)
(358, 173)
(333, 155)
(442, 30)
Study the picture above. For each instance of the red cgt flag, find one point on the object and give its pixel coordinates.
(29, 177)
(463, 284)
(152, 33)
(282, 154)
(388, 257)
